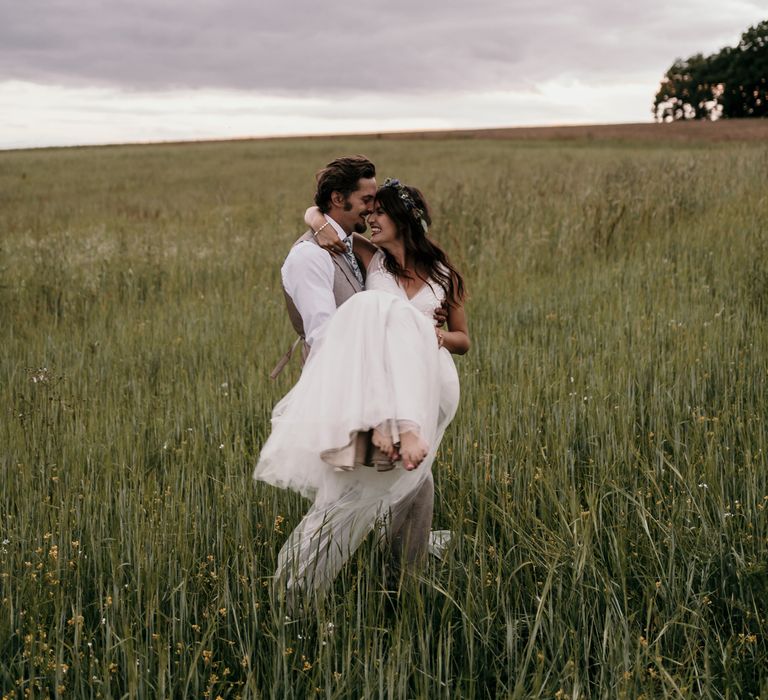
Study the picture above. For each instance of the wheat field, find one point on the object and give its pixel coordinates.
(605, 477)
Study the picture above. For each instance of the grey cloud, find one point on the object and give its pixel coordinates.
(298, 47)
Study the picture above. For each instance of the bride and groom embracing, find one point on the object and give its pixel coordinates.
(359, 431)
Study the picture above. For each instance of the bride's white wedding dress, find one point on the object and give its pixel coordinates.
(376, 365)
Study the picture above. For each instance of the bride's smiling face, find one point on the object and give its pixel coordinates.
(383, 229)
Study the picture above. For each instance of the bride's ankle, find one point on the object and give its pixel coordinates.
(384, 443)
(380, 439)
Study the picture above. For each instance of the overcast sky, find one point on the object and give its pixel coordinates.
(101, 71)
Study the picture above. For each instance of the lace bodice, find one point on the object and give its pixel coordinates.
(426, 300)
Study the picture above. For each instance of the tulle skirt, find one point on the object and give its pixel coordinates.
(377, 365)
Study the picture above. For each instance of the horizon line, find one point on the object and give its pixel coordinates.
(397, 134)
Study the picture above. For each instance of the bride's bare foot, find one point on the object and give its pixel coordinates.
(413, 450)
(384, 443)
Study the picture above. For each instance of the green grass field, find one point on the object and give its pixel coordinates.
(605, 476)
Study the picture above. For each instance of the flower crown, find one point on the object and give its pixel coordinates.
(416, 211)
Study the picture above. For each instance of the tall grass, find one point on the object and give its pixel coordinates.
(605, 478)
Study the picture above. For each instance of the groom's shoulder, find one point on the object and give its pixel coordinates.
(303, 238)
(305, 252)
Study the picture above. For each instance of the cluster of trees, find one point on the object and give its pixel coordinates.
(731, 83)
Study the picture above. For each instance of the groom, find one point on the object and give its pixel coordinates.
(316, 282)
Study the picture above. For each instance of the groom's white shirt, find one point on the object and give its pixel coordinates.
(307, 275)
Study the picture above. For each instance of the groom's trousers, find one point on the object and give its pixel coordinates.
(410, 527)
(320, 544)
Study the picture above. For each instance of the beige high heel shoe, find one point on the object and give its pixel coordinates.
(368, 455)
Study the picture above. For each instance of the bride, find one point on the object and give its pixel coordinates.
(382, 365)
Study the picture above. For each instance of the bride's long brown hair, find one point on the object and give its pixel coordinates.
(426, 255)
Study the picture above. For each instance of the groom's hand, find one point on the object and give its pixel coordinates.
(441, 314)
(329, 240)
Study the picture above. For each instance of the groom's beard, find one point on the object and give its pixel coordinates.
(360, 227)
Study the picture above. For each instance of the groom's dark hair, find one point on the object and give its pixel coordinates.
(341, 175)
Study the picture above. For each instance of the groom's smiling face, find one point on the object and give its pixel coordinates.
(356, 207)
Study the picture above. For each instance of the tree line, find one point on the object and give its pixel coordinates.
(732, 83)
